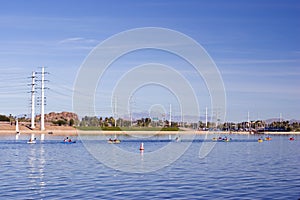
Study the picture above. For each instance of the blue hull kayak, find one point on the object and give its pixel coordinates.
(68, 142)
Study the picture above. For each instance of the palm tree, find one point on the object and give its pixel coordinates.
(101, 122)
(106, 121)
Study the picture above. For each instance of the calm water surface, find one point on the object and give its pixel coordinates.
(241, 169)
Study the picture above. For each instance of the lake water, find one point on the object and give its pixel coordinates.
(240, 169)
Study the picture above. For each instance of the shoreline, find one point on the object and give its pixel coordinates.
(75, 132)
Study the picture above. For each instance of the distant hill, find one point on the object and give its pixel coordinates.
(53, 116)
(294, 120)
(269, 121)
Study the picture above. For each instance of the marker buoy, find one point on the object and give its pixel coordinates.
(142, 147)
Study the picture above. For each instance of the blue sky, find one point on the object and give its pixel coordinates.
(255, 45)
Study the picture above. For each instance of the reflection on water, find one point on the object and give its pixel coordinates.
(36, 163)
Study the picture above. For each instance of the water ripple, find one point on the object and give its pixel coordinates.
(233, 170)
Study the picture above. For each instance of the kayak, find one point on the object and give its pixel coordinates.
(68, 142)
(268, 138)
(113, 141)
(31, 142)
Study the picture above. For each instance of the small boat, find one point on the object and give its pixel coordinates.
(291, 138)
(268, 138)
(260, 140)
(32, 139)
(225, 139)
(177, 139)
(114, 141)
(68, 140)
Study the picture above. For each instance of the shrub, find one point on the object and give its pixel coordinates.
(59, 122)
(4, 118)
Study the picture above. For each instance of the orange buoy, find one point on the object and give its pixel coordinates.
(142, 147)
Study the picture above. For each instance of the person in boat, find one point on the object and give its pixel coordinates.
(67, 139)
(31, 140)
(177, 139)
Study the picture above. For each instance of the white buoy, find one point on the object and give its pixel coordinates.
(42, 137)
(142, 147)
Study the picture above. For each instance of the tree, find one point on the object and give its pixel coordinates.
(106, 121)
(112, 121)
(94, 121)
(101, 122)
(4, 118)
(71, 122)
(60, 122)
(147, 122)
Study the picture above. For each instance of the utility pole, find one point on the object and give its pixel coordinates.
(43, 100)
(33, 100)
(170, 122)
(206, 117)
(130, 117)
(280, 117)
(130, 109)
(115, 112)
(249, 121)
(216, 112)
